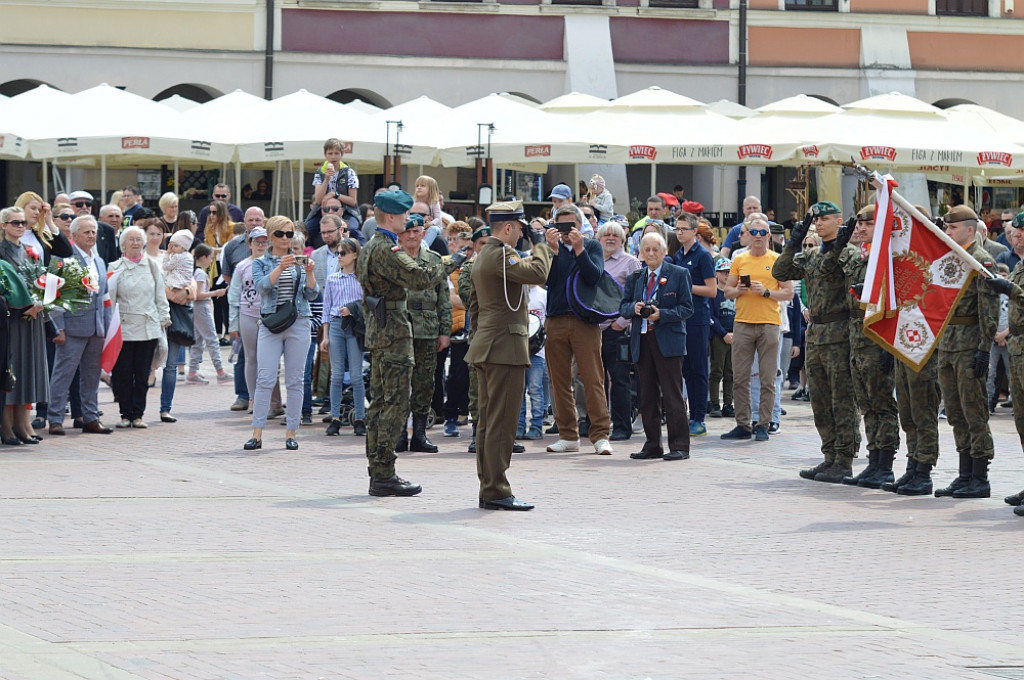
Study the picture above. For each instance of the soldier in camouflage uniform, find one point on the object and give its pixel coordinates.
(827, 340)
(1014, 288)
(465, 290)
(963, 359)
(385, 272)
(872, 369)
(431, 313)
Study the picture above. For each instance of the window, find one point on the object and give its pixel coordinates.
(680, 4)
(813, 5)
(595, 3)
(961, 8)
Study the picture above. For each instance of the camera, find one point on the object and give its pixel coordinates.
(646, 310)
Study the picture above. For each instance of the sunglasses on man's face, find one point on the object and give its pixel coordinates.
(332, 208)
(758, 232)
(284, 234)
(221, 196)
(82, 204)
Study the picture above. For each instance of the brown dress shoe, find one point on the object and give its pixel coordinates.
(57, 429)
(96, 427)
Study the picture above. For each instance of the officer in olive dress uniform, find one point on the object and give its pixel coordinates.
(431, 313)
(872, 367)
(385, 271)
(963, 359)
(827, 339)
(499, 316)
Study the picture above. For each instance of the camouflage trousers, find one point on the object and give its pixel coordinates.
(1016, 347)
(966, 400)
(425, 356)
(390, 380)
(830, 382)
(917, 398)
(873, 383)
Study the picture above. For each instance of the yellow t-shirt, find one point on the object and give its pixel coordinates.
(750, 307)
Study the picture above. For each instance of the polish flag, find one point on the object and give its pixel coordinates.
(113, 341)
(915, 277)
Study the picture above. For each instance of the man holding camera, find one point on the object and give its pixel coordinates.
(658, 302)
(570, 338)
(499, 313)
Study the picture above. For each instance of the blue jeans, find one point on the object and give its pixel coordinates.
(307, 379)
(536, 382)
(241, 388)
(170, 375)
(346, 356)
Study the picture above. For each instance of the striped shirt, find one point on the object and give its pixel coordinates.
(286, 286)
(341, 290)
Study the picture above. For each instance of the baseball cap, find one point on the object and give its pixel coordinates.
(257, 232)
(723, 265)
(561, 191)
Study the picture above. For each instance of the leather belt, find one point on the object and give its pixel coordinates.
(394, 304)
(830, 318)
(422, 306)
(963, 320)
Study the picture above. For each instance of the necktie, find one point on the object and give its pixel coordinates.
(650, 285)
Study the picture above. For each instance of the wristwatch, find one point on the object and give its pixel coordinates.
(766, 293)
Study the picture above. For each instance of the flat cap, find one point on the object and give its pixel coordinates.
(822, 208)
(960, 213)
(393, 202)
(80, 195)
(506, 211)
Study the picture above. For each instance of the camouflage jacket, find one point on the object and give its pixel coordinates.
(827, 291)
(465, 290)
(979, 303)
(430, 308)
(385, 271)
(1015, 341)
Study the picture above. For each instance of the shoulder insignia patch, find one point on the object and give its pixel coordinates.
(513, 260)
(395, 249)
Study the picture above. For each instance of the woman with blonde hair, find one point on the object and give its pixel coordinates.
(42, 235)
(169, 210)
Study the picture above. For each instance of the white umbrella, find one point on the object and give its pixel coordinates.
(777, 131)
(179, 103)
(27, 114)
(729, 109)
(363, 107)
(574, 102)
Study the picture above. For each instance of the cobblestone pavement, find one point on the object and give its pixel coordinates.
(171, 553)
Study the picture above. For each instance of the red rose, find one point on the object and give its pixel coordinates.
(663, 280)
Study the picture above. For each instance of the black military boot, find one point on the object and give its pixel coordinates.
(920, 484)
(419, 441)
(810, 473)
(883, 473)
(472, 441)
(961, 480)
(893, 487)
(1015, 499)
(403, 442)
(978, 486)
(866, 472)
(835, 473)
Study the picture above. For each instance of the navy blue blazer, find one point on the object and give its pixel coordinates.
(672, 298)
(88, 321)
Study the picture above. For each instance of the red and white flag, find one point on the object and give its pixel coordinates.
(915, 277)
(113, 341)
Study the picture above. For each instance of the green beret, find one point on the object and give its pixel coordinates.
(960, 213)
(481, 232)
(822, 208)
(1018, 220)
(414, 221)
(393, 202)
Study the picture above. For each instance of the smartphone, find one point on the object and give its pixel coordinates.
(745, 280)
(564, 227)
(301, 260)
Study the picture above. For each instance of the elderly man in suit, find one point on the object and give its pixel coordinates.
(80, 338)
(499, 312)
(658, 301)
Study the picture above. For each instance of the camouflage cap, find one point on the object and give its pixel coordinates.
(960, 213)
(822, 208)
(1018, 220)
(506, 211)
(393, 202)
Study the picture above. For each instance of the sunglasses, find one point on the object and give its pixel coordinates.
(333, 208)
(214, 212)
(810, 245)
(223, 196)
(284, 234)
(419, 214)
(82, 204)
(65, 216)
(758, 232)
(17, 223)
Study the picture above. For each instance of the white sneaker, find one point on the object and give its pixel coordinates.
(638, 425)
(564, 445)
(603, 447)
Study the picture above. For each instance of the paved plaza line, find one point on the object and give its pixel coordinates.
(28, 656)
(888, 623)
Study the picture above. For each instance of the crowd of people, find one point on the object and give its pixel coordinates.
(606, 328)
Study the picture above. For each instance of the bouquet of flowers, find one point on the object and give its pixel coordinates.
(65, 284)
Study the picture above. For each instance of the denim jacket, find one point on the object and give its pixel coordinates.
(261, 269)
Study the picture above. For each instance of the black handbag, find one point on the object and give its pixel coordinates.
(282, 318)
(8, 381)
(182, 329)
